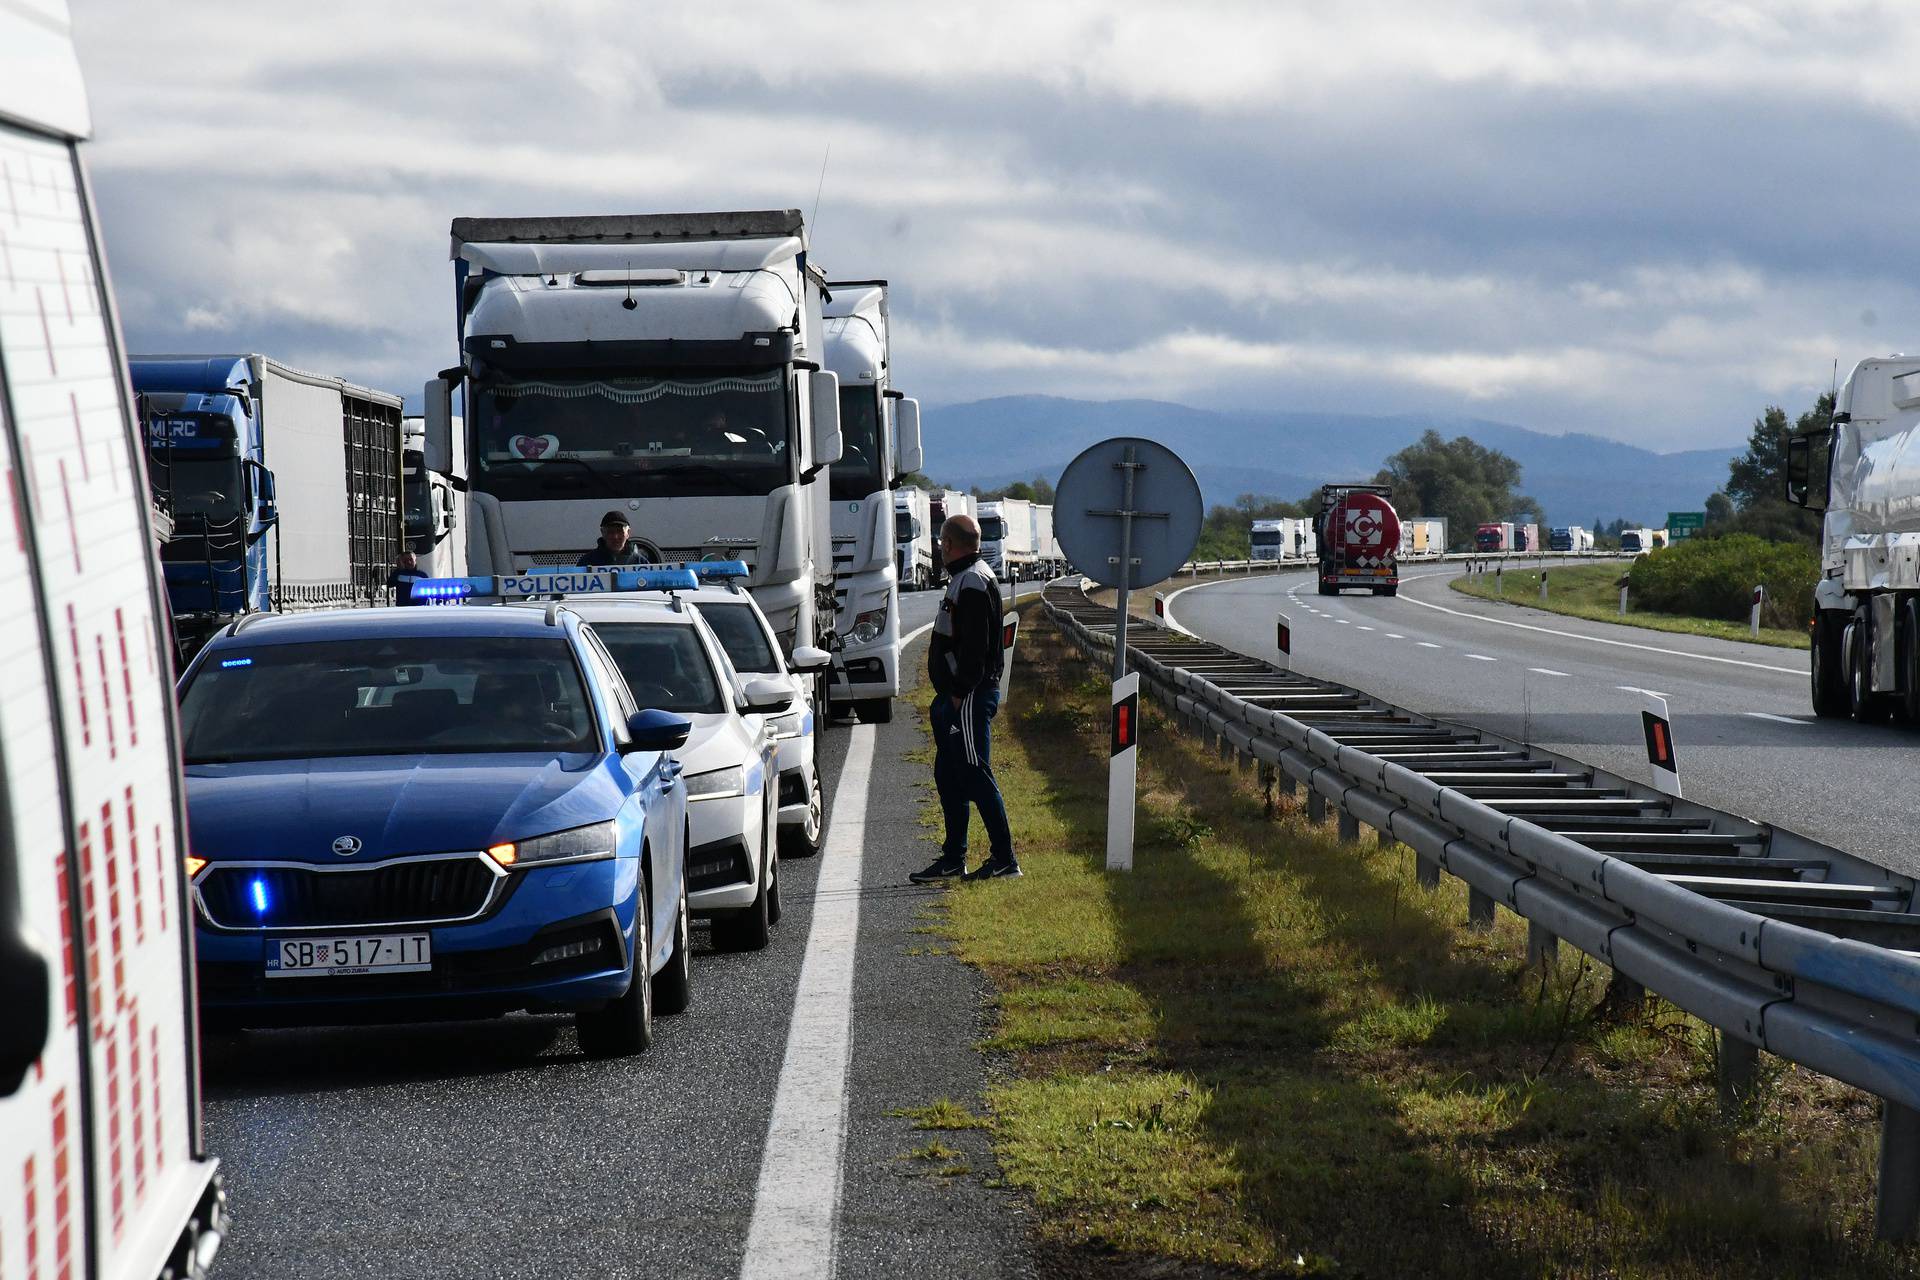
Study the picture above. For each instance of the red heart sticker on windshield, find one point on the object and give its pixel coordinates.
(534, 447)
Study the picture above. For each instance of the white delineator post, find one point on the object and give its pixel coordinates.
(1283, 641)
(1759, 594)
(1543, 586)
(1122, 765)
(1661, 760)
(1009, 632)
(1160, 606)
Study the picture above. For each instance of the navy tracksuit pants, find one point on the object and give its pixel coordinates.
(963, 770)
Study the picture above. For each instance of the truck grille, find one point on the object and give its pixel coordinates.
(288, 896)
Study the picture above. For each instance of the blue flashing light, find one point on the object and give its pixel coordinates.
(259, 888)
(236, 662)
(717, 569)
(655, 580)
(451, 588)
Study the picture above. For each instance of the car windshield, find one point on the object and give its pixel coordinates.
(612, 437)
(742, 636)
(665, 665)
(857, 474)
(389, 696)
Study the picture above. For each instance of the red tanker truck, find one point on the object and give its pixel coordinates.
(1359, 536)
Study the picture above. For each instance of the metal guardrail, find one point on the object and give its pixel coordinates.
(1779, 942)
(1193, 568)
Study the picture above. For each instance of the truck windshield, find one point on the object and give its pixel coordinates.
(858, 474)
(742, 636)
(1266, 537)
(416, 490)
(665, 665)
(903, 526)
(993, 529)
(582, 437)
(398, 696)
(203, 489)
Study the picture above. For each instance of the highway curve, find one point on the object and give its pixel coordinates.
(1747, 737)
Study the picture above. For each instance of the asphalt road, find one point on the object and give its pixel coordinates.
(1746, 735)
(496, 1149)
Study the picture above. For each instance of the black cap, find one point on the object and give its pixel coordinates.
(614, 517)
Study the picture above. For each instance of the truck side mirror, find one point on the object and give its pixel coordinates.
(908, 417)
(269, 508)
(827, 444)
(437, 450)
(25, 983)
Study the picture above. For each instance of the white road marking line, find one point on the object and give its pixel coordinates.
(796, 1207)
(1366, 628)
(1343, 622)
(1481, 657)
(1797, 672)
(1395, 635)
(1426, 644)
(1634, 688)
(1546, 671)
(1768, 715)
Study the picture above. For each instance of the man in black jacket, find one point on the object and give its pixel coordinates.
(615, 548)
(964, 661)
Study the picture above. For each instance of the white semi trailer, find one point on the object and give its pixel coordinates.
(1046, 549)
(669, 367)
(913, 538)
(1864, 473)
(100, 1144)
(1006, 538)
(880, 439)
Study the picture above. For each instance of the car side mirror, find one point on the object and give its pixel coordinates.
(768, 696)
(807, 658)
(907, 415)
(827, 443)
(655, 730)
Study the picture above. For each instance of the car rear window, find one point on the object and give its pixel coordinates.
(371, 697)
(665, 665)
(742, 636)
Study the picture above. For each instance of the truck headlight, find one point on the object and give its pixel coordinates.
(717, 784)
(868, 626)
(595, 840)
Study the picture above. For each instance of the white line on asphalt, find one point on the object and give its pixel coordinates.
(1481, 657)
(1575, 635)
(1343, 622)
(1546, 671)
(1366, 628)
(1768, 715)
(1426, 644)
(1395, 635)
(1634, 688)
(796, 1208)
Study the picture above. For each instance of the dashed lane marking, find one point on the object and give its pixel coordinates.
(1395, 635)
(1366, 628)
(1481, 657)
(1546, 671)
(1634, 688)
(796, 1208)
(1768, 715)
(1426, 644)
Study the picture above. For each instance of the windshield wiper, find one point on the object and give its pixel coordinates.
(739, 483)
(599, 478)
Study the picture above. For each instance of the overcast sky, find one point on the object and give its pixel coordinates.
(1644, 220)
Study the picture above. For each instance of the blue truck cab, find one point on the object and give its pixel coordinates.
(410, 814)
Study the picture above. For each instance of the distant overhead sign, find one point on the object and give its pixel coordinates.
(1685, 524)
(1093, 507)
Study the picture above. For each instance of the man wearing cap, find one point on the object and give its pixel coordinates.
(615, 548)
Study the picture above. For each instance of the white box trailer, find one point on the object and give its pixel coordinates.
(100, 1145)
(913, 538)
(1006, 537)
(1046, 550)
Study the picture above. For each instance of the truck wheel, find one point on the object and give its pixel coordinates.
(874, 710)
(624, 1026)
(1829, 682)
(1328, 590)
(1867, 706)
(673, 985)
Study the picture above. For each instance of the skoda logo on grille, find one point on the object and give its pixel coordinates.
(346, 846)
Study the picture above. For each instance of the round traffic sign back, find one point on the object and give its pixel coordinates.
(1090, 497)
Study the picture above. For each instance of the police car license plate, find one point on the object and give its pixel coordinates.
(343, 957)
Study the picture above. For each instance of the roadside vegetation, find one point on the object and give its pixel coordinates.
(1265, 1051)
(1593, 591)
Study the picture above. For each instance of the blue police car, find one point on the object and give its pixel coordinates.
(403, 814)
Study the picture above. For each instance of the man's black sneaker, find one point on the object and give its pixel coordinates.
(995, 869)
(940, 869)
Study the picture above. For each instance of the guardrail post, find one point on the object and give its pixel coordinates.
(1316, 804)
(1739, 1062)
(1624, 995)
(1479, 909)
(1542, 945)
(1896, 1210)
(1543, 586)
(1349, 827)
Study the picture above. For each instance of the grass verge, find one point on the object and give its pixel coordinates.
(1593, 591)
(1266, 1051)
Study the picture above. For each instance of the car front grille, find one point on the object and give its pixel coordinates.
(288, 896)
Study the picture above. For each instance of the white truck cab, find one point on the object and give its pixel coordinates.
(99, 1069)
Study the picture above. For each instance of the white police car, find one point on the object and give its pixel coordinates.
(744, 633)
(673, 662)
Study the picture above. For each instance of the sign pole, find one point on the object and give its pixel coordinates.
(1126, 469)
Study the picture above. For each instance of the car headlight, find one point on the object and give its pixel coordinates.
(717, 784)
(574, 844)
(867, 626)
(790, 725)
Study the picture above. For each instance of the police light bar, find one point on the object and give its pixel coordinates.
(716, 569)
(572, 582)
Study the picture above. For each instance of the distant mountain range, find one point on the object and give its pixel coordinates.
(1576, 478)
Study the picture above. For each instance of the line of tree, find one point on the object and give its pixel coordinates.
(1754, 499)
